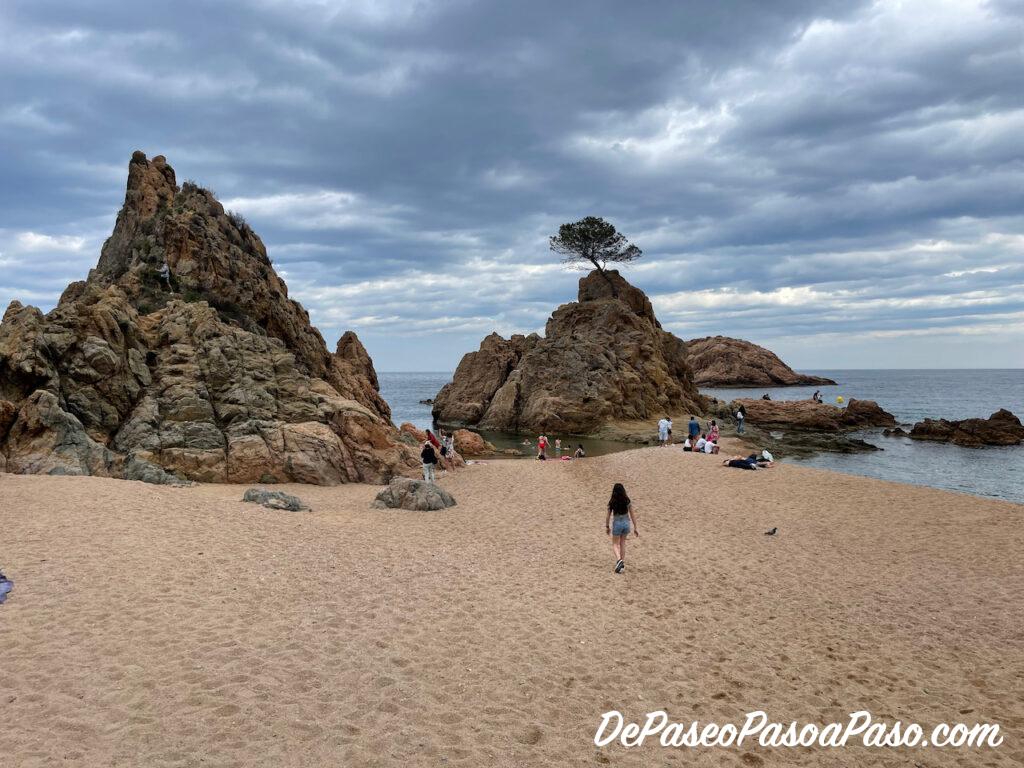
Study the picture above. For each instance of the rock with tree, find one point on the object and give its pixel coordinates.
(182, 351)
(594, 242)
(603, 364)
(720, 361)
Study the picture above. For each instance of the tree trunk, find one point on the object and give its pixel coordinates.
(615, 291)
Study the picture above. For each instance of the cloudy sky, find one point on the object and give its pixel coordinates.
(841, 181)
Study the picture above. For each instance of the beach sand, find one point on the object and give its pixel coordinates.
(154, 626)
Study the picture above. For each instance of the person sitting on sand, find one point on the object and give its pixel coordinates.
(617, 524)
(580, 453)
(698, 447)
(713, 432)
(711, 446)
(429, 457)
(687, 445)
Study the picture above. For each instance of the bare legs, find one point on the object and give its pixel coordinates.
(619, 547)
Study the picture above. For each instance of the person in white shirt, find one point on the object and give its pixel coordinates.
(687, 445)
(664, 425)
(710, 446)
(701, 442)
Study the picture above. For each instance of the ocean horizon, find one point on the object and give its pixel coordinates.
(910, 394)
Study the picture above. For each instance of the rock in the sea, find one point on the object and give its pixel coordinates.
(810, 416)
(602, 360)
(897, 432)
(207, 370)
(274, 499)
(471, 444)
(405, 493)
(719, 361)
(1001, 428)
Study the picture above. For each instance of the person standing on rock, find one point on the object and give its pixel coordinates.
(429, 457)
(713, 432)
(617, 524)
(741, 415)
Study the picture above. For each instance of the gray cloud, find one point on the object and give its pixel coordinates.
(820, 176)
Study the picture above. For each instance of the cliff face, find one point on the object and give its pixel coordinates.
(718, 361)
(211, 373)
(601, 360)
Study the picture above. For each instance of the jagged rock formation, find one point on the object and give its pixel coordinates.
(601, 361)
(1001, 428)
(211, 373)
(719, 361)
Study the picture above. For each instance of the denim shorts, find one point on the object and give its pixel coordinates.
(620, 525)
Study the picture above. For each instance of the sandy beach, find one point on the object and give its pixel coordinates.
(159, 626)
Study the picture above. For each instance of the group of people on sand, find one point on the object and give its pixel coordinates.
(543, 444)
(697, 440)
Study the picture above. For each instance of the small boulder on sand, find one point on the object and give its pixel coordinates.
(274, 499)
(406, 493)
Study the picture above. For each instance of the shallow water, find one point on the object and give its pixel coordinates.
(910, 395)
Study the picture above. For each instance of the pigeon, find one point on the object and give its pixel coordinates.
(772, 532)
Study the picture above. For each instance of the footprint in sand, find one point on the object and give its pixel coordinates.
(531, 735)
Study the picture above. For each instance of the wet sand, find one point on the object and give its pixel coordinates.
(154, 626)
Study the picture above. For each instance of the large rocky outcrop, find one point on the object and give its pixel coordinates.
(808, 415)
(212, 373)
(803, 427)
(719, 361)
(602, 360)
(1001, 428)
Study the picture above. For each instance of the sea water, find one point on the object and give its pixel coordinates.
(910, 395)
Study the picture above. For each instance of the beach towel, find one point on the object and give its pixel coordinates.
(6, 585)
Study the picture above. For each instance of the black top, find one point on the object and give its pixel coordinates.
(619, 506)
(428, 455)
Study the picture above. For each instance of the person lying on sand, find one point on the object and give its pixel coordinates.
(617, 524)
(739, 462)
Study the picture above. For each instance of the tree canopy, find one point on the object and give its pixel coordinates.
(595, 241)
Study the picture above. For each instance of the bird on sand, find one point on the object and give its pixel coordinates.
(772, 532)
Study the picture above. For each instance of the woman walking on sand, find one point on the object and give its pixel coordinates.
(617, 524)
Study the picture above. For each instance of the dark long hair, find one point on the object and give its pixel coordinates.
(619, 502)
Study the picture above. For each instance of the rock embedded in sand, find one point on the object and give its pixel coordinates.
(602, 360)
(275, 500)
(720, 361)
(1001, 428)
(211, 373)
(417, 495)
